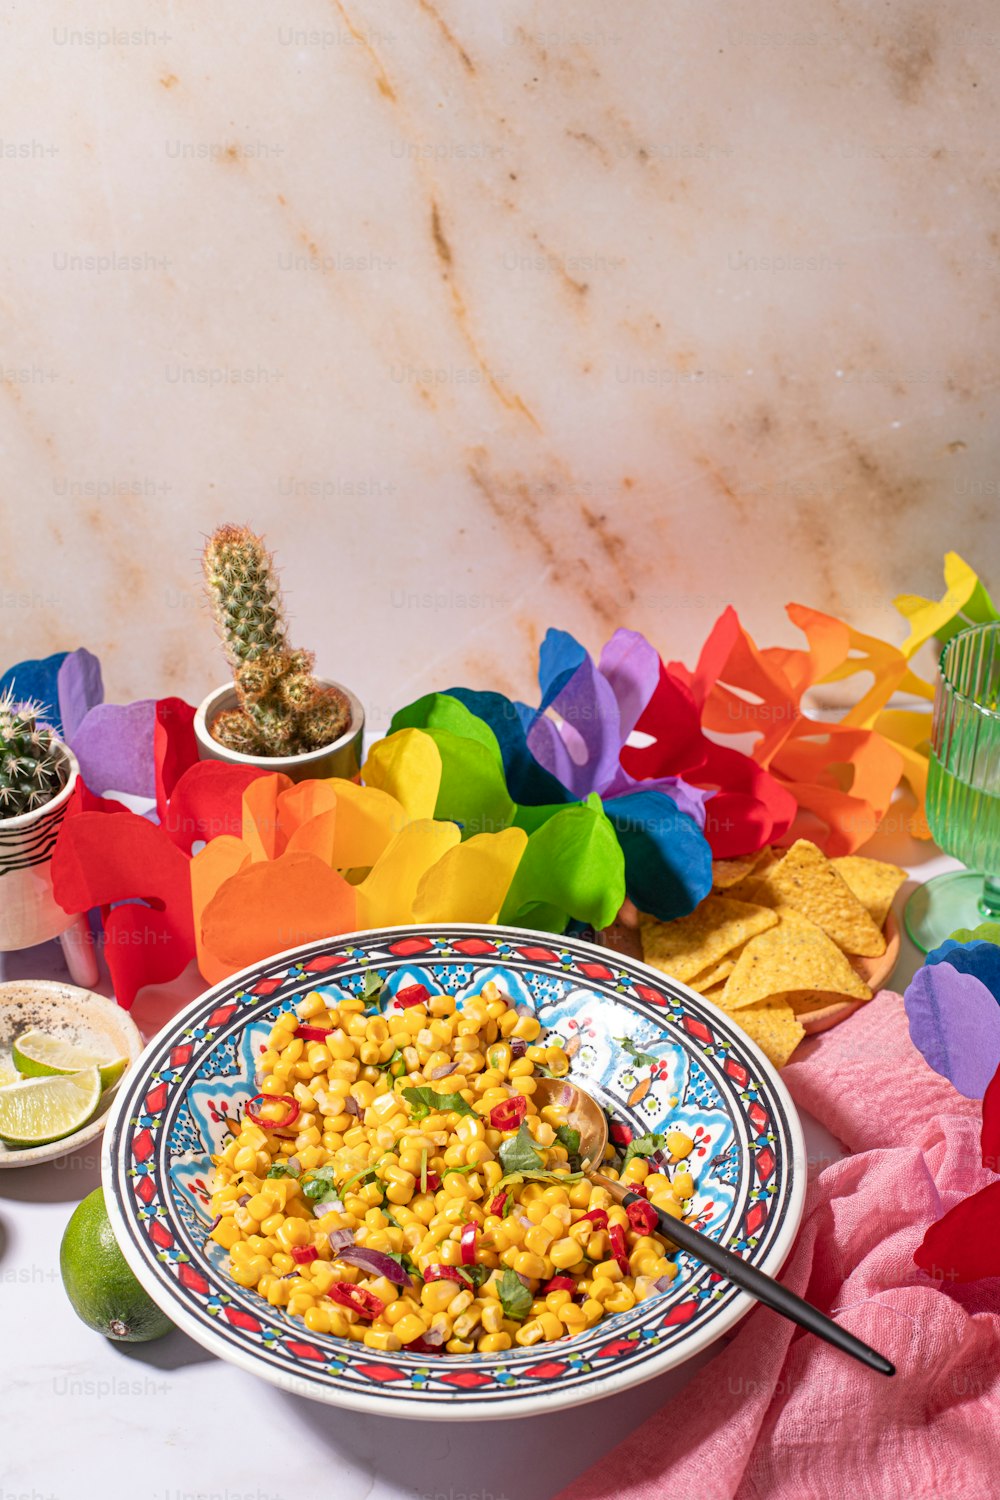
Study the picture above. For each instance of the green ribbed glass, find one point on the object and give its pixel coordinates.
(963, 790)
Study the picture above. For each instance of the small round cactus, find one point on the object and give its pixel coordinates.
(283, 709)
(33, 764)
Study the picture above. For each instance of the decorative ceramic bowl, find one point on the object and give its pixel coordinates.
(74, 1015)
(185, 1098)
(342, 757)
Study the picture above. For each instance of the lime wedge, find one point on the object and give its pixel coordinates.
(8, 1072)
(38, 1055)
(40, 1110)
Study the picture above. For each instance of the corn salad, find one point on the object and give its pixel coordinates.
(407, 1143)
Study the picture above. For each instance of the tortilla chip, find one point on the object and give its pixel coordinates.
(729, 872)
(794, 959)
(713, 976)
(873, 881)
(806, 880)
(714, 994)
(688, 945)
(772, 1025)
(753, 887)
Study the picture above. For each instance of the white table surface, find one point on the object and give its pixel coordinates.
(87, 1419)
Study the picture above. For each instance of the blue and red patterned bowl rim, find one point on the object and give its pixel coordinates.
(622, 1351)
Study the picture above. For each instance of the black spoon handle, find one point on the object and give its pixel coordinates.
(764, 1288)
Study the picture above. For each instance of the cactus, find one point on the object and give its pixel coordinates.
(283, 709)
(33, 764)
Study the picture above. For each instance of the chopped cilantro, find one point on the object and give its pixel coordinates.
(320, 1186)
(520, 1154)
(515, 1299)
(644, 1145)
(514, 1179)
(374, 984)
(568, 1137)
(282, 1169)
(644, 1059)
(475, 1275)
(423, 1100)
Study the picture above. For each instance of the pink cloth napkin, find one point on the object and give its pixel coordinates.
(779, 1414)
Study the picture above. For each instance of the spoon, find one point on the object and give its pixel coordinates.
(586, 1115)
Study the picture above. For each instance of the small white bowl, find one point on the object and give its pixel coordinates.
(74, 1015)
(342, 757)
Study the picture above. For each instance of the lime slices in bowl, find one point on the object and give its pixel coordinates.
(36, 1054)
(39, 1110)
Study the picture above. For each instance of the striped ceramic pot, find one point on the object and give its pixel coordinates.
(29, 912)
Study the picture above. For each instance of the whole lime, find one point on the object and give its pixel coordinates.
(98, 1281)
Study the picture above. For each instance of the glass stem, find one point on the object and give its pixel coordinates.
(989, 904)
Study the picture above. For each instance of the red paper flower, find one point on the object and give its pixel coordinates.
(835, 780)
(137, 871)
(964, 1245)
(749, 809)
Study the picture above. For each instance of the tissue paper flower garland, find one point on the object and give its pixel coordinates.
(830, 781)
(284, 863)
(953, 1008)
(486, 743)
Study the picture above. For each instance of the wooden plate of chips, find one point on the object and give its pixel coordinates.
(788, 942)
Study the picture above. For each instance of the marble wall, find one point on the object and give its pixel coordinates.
(491, 316)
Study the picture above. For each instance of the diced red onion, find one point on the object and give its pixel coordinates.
(468, 1243)
(214, 1224)
(444, 1070)
(351, 1106)
(340, 1239)
(524, 1280)
(663, 1283)
(518, 1047)
(434, 1338)
(243, 1199)
(374, 1262)
(523, 1219)
(294, 1166)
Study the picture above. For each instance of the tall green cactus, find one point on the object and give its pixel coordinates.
(33, 764)
(283, 709)
(245, 594)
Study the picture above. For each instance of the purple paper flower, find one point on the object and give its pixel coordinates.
(953, 1007)
(113, 742)
(587, 713)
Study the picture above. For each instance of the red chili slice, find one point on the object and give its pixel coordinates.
(252, 1114)
(468, 1243)
(443, 1273)
(642, 1217)
(433, 1182)
(616, 1235)
(509, 1114)
(598, 1217)
(364, 1303)
(497, 1206)
(420, 1346)
(303, 1254)
(314, 1033)
(559, 1284)
(412, 994)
